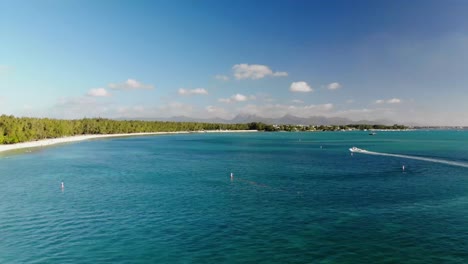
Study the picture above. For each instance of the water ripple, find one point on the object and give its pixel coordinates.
(171, 200)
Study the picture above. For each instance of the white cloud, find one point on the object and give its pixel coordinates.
(389, 101)
(333, 86)
(98, 92)
(297, 101)
(130, 84)
(201, 91)
(221, 77)
(393, 101)
(237, 98)
(254, 71)
(350, 101)
(301, 87)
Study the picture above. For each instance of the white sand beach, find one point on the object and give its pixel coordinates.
(55, 141)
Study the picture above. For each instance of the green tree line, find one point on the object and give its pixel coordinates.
(16, 130)
(22, 129)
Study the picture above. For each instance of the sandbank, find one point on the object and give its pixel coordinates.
(62, 140)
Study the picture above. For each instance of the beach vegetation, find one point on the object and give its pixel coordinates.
(22, 129)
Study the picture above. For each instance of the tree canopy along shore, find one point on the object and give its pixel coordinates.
(23, 129)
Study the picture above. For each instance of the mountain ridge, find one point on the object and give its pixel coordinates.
(287, 119)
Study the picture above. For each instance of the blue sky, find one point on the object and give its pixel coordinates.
(400, 60)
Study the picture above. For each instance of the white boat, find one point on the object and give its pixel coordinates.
(354, 149)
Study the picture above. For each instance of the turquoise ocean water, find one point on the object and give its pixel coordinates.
(295, 198)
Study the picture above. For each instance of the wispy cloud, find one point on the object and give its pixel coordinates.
(170, 109)
(4, 69)
(217, 111)
(79, 107)
(197, 91)
(78, 100)
(393, 101)
(389, 101)
(221, 77)
(132, 111)
(278, 110)
(297, 101)
(130, 84)
(87, 105)
(98, 92)
(263, 97)
(334, 86)
(254, 71)
(372, 114)
(301, 87)
(236, 98)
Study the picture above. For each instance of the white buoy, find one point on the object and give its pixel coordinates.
(403, 167)
(232, 175)
(63, 186)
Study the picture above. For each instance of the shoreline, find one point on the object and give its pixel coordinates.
(70, 139)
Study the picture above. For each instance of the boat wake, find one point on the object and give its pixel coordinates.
(441, 161)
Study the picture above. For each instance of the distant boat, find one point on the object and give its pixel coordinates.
(354, 149)
(372, 134)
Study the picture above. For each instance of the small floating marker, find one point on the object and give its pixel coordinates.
(232, 176)
(62, 186)
(403, 168)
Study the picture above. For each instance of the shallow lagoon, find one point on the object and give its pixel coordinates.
(295, 198)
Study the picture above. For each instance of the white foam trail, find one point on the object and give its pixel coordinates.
(448, 162)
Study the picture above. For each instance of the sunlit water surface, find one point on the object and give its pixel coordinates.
(294, 198)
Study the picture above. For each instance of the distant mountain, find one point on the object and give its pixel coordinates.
(313, 120)
(284, 120)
